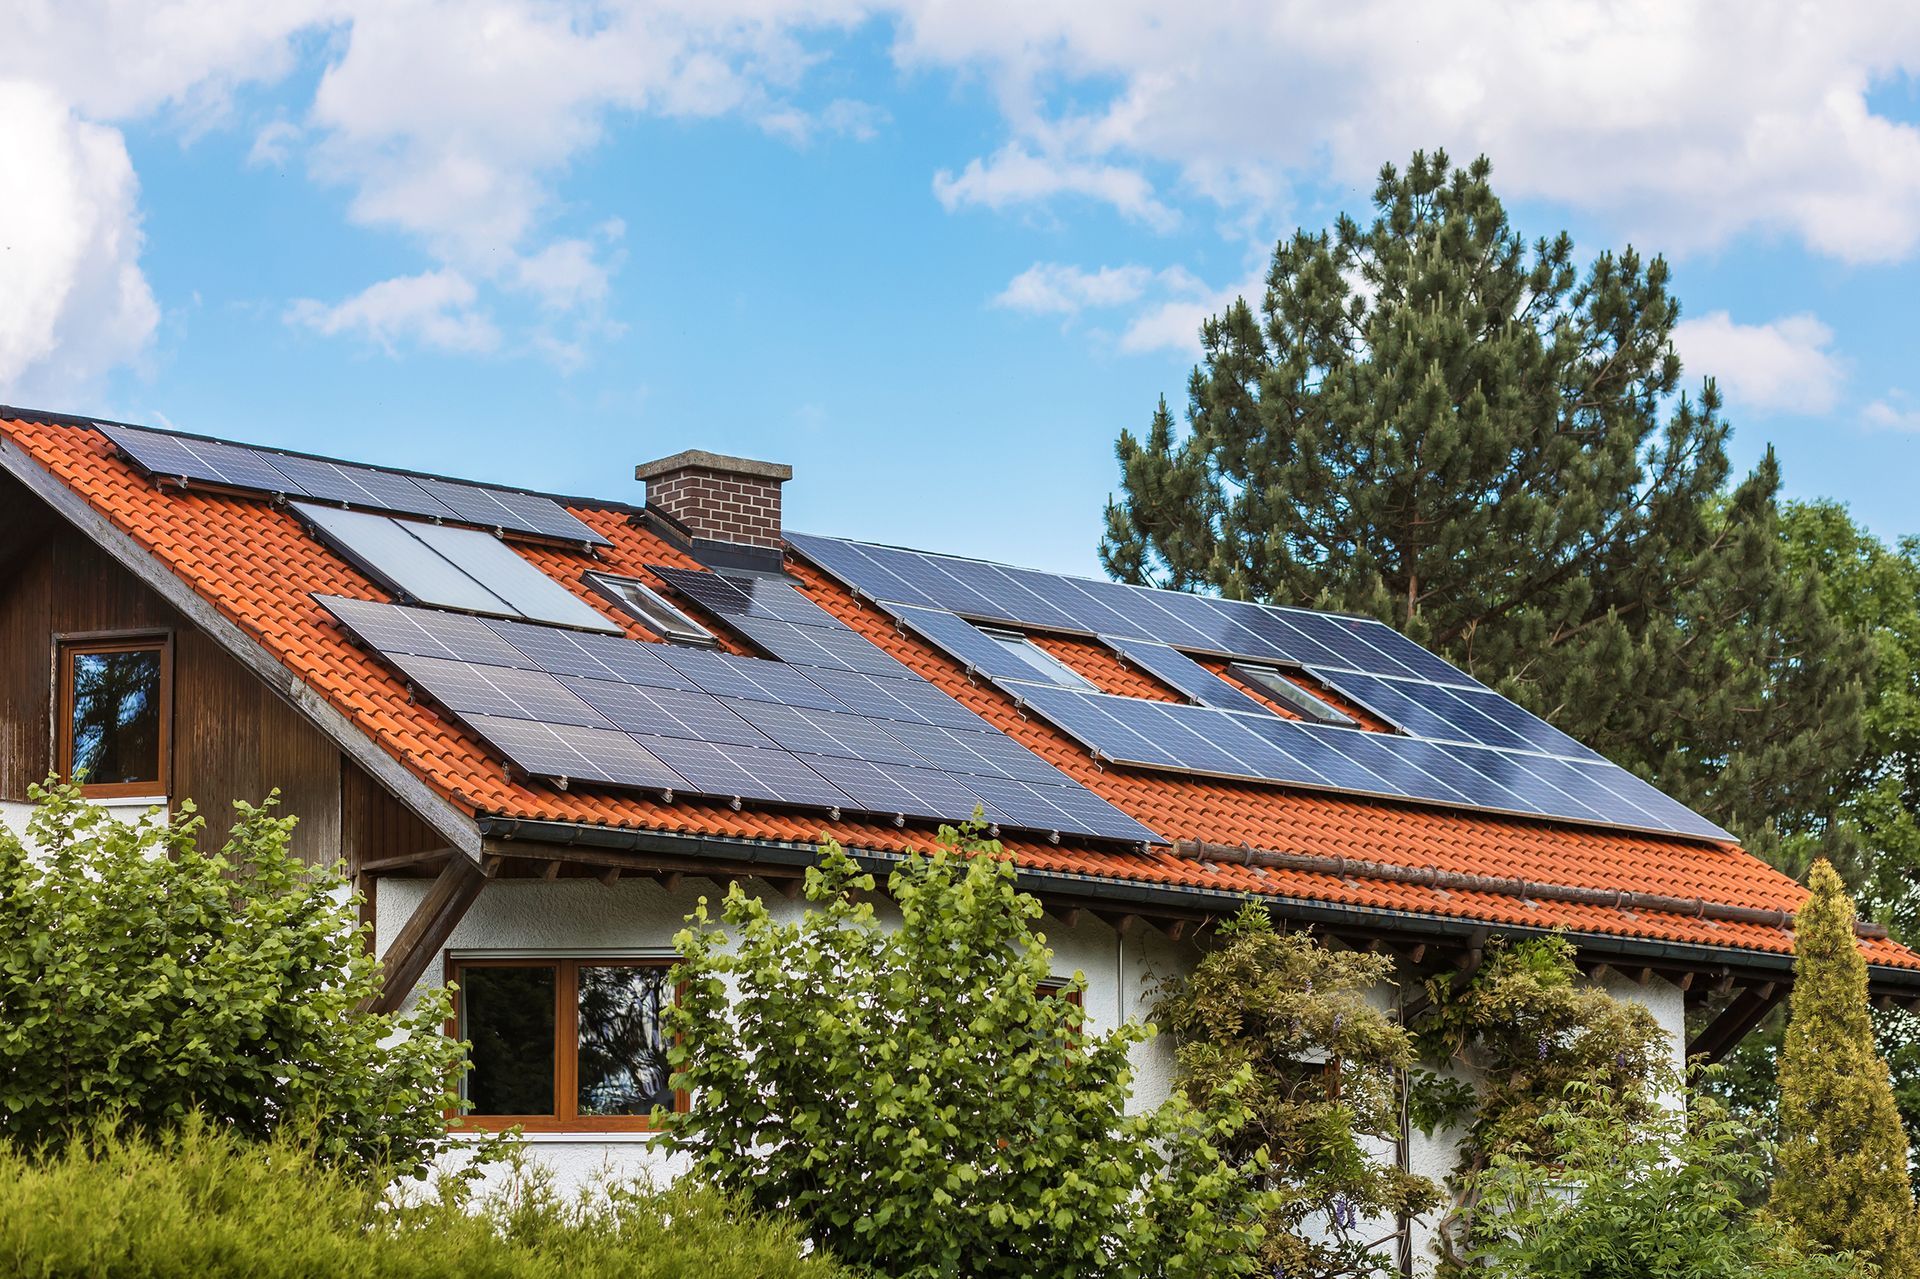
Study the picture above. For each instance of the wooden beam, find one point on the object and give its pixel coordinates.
(1685, 981)
(405, 860)
(1127, 924)
(1724, 1032)
(1175, 929)
(552, 870)
(1069, 917)
(610, 876)
(426, 931)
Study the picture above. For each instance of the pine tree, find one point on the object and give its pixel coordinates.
(1842, 1175)
(1432, 422)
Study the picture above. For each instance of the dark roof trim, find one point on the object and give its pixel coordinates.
(1185, 899)
(453, 825)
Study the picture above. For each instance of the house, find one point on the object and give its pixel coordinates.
(537, 728)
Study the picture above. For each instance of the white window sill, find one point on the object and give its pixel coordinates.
(570, 1138)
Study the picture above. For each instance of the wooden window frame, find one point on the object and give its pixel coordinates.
(566, 1045)
(65, 648)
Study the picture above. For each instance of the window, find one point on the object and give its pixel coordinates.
(1289, 694)
(564, 1044)
(1044, 664)
(114, 717)
(647, 604)
(448, 567)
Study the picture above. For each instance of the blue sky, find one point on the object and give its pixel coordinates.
(934, 257)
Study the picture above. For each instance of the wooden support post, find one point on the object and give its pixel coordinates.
(1734, 1022)
(552, 871)
(1685, 981)
(426, 931)
(491, 864)
(1175, 929)
(610, 876)
(1070, 917)
(1127, 924)
(792, 888)
(1418, 953)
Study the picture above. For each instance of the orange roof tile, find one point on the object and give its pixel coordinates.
(257, 566)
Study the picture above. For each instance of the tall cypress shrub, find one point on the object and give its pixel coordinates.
(1842, 1176)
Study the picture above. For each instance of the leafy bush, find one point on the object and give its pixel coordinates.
(1280, 1005)
(144, 978)
(201, 1203)
(913, 1099)
(1608, 1188)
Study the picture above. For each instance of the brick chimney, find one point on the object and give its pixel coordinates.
(728, 508)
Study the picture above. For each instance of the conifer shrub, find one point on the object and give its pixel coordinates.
(1842, 1179)
(203, 1202)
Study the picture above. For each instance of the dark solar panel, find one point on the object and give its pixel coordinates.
(746, 772)
(963, 641)
(561, 704)
(425, 632)
(841, 649)
(709, 590)
(516, 512)
(577, 754)
(912, 700)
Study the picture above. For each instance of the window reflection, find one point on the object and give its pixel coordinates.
(622, 1053)
(116, 717)
(507, 1015)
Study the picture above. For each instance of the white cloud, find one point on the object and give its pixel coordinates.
(1786, 365)
(273, 145)
(1014, 175)
(1173, 324)
(436, 309)
(1058, 289)
(1894, 411)
(75, 302)
(1685, 123)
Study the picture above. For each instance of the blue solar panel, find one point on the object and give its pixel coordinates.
(426, 632)
(577, 754)
(816, 646)
(603, 657)
(1182, 674)
(912, 700)
(891, 789)
(664, 712)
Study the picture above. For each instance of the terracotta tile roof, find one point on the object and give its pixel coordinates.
(256, 565)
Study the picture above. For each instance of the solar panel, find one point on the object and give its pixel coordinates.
(577, 754)
(598, 708)
(453, 567)
(746, 772)
(895, 790)
(505, 509)
(243, 466)
(912, 700)
(1182, 674)
(963, 641)
(393, 628)
(664, 712)
(499, 568)
(840, 649)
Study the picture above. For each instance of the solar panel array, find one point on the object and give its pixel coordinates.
(1461, 744)
(607, 710)
(240, 466)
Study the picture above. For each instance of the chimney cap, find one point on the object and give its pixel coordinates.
(701, 460)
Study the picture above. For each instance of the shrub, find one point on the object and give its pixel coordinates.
(1607, 1188)
(914, 1100)
(1842, 1179)
(202, 1203)
(1325, 1097)
(145, 978)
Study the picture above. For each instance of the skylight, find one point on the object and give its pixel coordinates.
(457, 568)
(1270, 681)
(651, 608)
(1044, 664)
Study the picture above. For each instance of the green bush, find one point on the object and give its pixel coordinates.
(143, 977)
(201, 1203)
(918, 1105)
(1607, 1189)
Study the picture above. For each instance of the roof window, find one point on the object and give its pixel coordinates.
(1043, 664)
(652, 609)
(1270, 681)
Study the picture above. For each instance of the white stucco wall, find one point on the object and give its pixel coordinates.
(638, 918)
(13, 816)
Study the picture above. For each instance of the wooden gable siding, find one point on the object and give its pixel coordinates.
(232, 737)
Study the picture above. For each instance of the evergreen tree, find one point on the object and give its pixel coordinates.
(1432, 422)
(1842, 1175)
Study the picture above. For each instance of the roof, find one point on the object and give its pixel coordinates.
(256, 566)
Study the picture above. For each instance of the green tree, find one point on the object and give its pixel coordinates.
(1432, 422)
(144, 978)
(914, 1099)
(1604, 1190)
(1842, 1178)
(1325, 1064)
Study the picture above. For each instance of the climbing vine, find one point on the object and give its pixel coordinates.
(1326, 1066)
(1502, 1045)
